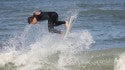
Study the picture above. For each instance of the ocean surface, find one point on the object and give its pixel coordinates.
(96, 40)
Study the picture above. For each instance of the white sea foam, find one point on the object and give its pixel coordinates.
(31, 50)
(120, 62)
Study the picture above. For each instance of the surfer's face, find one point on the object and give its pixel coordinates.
(34, 21)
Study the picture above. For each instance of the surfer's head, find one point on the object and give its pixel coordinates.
(32, 20)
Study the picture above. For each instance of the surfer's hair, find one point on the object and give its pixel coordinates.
(30, 19)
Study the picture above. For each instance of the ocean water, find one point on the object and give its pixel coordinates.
(96, 40)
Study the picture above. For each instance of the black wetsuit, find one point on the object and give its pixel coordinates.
(52, 18)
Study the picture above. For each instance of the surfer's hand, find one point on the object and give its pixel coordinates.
(36, 13)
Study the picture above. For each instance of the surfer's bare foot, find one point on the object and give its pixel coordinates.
(66, 25)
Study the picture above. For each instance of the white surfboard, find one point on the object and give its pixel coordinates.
(70, 26)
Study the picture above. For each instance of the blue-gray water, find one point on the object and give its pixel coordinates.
(96, 40)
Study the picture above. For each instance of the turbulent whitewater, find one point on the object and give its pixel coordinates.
(36, 49)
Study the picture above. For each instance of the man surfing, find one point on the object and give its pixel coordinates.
(52, 18)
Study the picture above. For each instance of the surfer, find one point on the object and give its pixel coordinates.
(52, 18)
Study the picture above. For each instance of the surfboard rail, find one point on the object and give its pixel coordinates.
(70, 26)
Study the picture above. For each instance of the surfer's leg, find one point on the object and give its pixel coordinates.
(66, 23)
(57, 23)
(51, 28)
